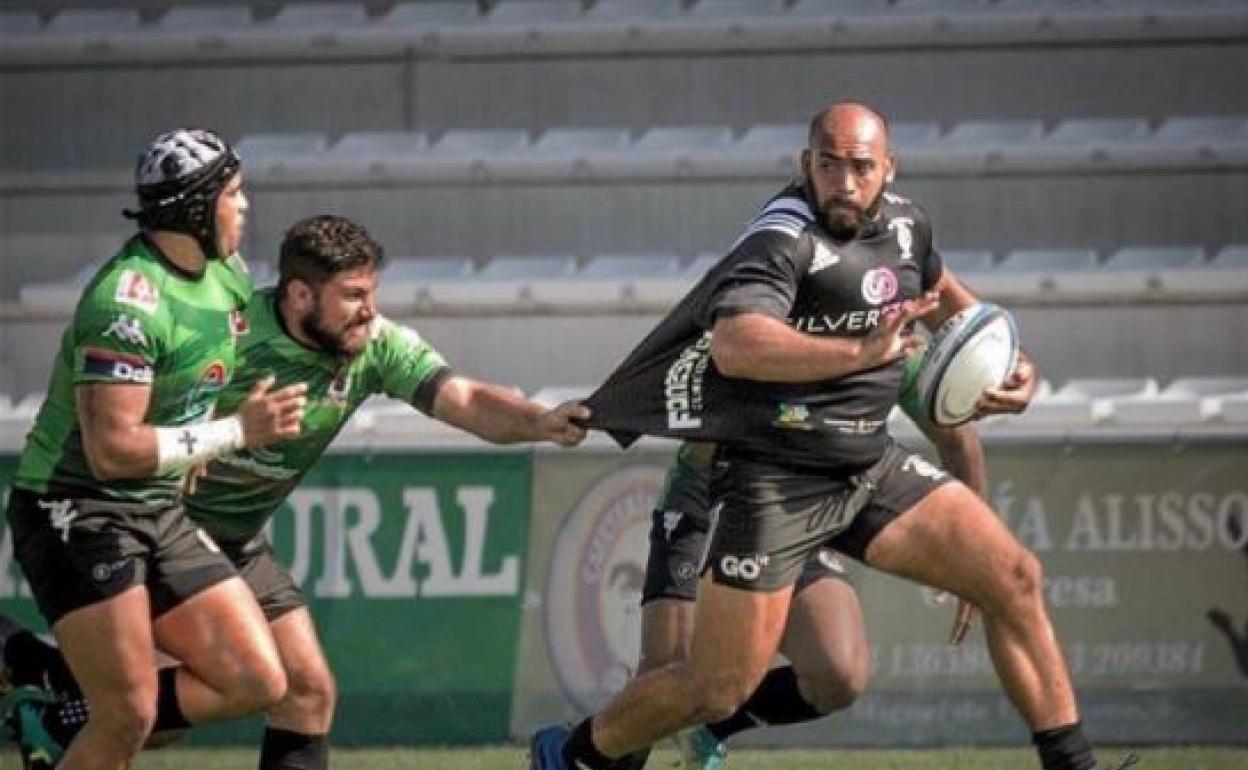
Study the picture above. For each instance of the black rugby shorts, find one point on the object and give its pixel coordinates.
(76, 552)
(773, 519)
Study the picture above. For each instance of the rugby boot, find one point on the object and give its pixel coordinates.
(546, 748)
(26, 713)
(700, 749)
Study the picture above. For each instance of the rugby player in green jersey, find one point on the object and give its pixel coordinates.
(320, 326)
(114, 564)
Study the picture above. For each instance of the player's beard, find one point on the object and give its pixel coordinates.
(313, 325)
(844, 219)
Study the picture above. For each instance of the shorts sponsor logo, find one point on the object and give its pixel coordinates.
(746, 568)
(879, 285)
(134, 289)
(592, 600)
(104, 571)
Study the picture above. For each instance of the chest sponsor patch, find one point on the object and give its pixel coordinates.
(134, 289)
(879, 285)
(239, 325)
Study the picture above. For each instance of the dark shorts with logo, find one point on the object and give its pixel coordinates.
(773, 518)
(76, 552)
(679, 541)
(274, 588)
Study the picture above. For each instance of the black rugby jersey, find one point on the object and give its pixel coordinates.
(787, 266)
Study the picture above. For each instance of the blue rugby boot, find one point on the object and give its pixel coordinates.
(546, 748)
(700, 749)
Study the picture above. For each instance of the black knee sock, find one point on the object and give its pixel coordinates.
(580, 748)
(1064, 748)
(634, 761)
(169, 714)
(777, 701)
(287, 750)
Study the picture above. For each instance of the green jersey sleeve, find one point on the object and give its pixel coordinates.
(119, 333)
(409, 368)
(910, 401)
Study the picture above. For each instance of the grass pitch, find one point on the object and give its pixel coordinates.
(509, 758)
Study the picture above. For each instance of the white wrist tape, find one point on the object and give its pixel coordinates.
(178, 449)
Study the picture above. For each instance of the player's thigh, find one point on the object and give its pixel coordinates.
(952, 540)
(221, 636)
(109, 647)
(825, 638)
(735, 637)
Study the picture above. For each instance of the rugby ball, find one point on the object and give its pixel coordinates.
(972, 351)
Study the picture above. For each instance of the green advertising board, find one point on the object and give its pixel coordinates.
(413, 564)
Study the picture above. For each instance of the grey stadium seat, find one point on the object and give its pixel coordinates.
(559, 153)
(404, 279)
(664, 152)
(975, 146)
(1034, 272)
(1077, 144)
(1187, 401)
(273, 155)
(93, 23)
(358, 155)
(19, 23)
(466, 155)
(504, 282)
(964, 261)
(1224, 276)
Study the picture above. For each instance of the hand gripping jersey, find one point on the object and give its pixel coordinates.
(142, 321)
(242, 490)
(787, 266)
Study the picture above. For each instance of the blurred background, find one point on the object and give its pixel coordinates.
(549, 176)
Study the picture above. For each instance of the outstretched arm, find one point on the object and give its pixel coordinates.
(501, 415)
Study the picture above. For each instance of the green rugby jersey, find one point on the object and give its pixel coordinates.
(242, 490)
(140, 320)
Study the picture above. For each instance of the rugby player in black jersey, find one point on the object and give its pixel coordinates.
(811, 312)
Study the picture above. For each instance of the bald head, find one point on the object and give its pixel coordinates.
(847, 165)
(849, 120)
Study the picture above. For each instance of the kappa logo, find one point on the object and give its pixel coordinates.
(823, 259)
(127, 329)
(671, 520)
(747, 568)
(62, 514)
(134, 288)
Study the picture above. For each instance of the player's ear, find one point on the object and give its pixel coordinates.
(804, 160)
(890, 168)
(300, 294)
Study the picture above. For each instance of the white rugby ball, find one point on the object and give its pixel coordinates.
(972, 351)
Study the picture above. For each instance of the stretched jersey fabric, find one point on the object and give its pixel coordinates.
(242, 490)
(141, 320)
(787, 266)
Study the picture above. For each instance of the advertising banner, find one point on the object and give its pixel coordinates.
(1145, 550)
(413, 565)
